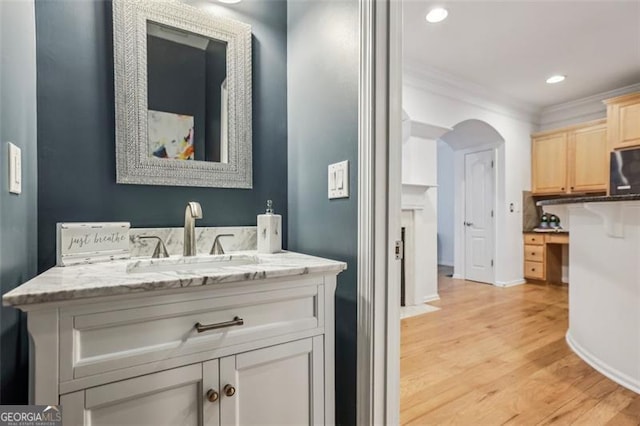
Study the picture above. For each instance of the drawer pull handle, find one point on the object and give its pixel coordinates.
(206, 327)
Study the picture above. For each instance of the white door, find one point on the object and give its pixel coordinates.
(278, 385)
(169, 398)
(479, 216)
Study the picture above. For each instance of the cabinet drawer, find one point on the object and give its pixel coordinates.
(98, 342)
(534, 239)
(534, 270)
(558, 239)
(534, 253)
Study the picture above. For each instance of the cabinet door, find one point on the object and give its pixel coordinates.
(549, 164)
(279, 385)
(589, 159)
(626, 124)
(172, 397)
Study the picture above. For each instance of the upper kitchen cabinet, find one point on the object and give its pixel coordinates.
(549, 163)
(623, 116)
(570, 160)
(588, 155)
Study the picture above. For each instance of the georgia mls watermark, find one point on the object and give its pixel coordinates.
(30, 415)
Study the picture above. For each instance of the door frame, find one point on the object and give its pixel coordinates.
(461, 205)
(379, 209)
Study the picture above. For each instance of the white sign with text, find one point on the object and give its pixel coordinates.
(79, 243)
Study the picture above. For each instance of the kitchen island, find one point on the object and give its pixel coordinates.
(604, 295)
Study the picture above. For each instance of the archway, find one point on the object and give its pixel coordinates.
(469, 208)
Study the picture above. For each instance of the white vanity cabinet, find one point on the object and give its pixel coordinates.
(171, 397)
(278, 385)
(264, 354)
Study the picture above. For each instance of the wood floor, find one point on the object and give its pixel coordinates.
(495, 356)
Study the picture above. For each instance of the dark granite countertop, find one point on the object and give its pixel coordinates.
(554, 231)
(589, 199)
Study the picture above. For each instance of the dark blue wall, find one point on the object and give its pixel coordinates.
(323, 129)
(76, 144)
(18, 214)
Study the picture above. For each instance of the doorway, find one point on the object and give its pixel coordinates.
(471, 164)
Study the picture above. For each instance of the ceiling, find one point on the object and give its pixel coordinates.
(510, 47)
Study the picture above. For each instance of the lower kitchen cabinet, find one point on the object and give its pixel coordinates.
(543, 256)
(277, 385)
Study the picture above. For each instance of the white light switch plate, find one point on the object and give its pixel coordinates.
(15, 169)
(338, 180)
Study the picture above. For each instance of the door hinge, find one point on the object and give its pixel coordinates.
(399, 250)
(492, 263)
(491, 213)
(492, 164)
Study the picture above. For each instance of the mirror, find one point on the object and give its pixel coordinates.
(183, 96)
(187, 95)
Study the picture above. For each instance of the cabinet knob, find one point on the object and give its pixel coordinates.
(229, 390)
(212, 395)
(562, 188)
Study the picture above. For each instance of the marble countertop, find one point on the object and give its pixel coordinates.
(589, 199)
(113, 278)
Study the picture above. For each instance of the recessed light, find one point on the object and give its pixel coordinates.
(230, 1)
(437, 14)
(556, 79)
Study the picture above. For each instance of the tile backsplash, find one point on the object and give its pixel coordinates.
(244, 238)
(530, 212)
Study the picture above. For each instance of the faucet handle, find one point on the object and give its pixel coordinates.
(160, 251)
(195, 209)
(217, 246)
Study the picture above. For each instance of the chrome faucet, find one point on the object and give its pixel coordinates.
(193, 212)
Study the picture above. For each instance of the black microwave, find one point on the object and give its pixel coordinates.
(625, 172)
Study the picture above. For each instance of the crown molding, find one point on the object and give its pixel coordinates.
(583, 109)
(438, 82)
(598, 97)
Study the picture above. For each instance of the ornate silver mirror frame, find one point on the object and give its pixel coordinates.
(133, 164)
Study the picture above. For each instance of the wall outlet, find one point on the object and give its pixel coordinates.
(338, 180)
(15, 169)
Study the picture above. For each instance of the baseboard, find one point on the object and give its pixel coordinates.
(431, 298)
(510, 283)
(617, 376)
(457, 277)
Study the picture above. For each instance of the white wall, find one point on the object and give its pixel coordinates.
(419, 161)
(419, 167)
(514, 162)
(446, 202)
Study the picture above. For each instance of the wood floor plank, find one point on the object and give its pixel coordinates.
(493, 356)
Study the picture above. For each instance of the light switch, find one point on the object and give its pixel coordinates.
(15, 169)
(339, 180)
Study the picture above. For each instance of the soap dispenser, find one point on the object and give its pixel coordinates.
(269, 231)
